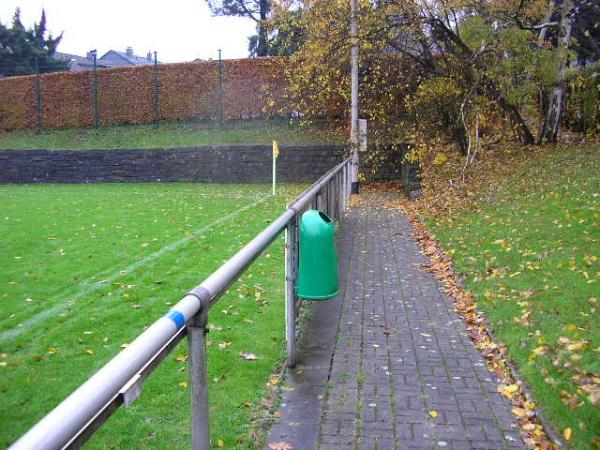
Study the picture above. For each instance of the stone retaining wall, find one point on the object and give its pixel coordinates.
(219, 164)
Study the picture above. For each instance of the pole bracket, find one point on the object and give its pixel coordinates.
(132, 390)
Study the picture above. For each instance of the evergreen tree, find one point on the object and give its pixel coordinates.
(285, 33)
(257, 10)
(19, 48)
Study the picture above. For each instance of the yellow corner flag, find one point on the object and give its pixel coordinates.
(275, 149)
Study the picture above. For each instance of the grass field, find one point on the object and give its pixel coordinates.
(168, 135)
(86, 267)
(529, 250)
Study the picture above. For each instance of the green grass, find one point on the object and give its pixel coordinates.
(86, 267)
(530, 255)
(168, 135)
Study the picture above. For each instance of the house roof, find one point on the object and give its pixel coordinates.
(81, 61)
(134, 60)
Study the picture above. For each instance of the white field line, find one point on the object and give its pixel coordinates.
(34, 320)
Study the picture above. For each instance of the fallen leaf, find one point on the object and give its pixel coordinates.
(433, 414)
(520, 412)
(567, 433)
(220, 443)
(280, 446)
(508, 390)
(248, 356)
(576, 346)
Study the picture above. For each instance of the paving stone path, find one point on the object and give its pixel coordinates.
(388, 364)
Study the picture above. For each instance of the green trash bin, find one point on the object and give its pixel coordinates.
(317, 266)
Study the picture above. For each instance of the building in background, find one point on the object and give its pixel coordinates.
(77, 62)
(113, 58)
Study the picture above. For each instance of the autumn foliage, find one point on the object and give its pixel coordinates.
(187, 91)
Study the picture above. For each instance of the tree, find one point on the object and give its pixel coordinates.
(556, 102)
(257, 10)
(448, 73)
(21, 47)
(586, 31)
(285, 33)
(426, 46)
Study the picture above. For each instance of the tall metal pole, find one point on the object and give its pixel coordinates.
(354, 89)
(38, 97)
(156, 87)
(221, 93)
(95, 90)
(198, 382)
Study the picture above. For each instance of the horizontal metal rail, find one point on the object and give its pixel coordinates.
(119, 382)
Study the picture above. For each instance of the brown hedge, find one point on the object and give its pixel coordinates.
(252, 88)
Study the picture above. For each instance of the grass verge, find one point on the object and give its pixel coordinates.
(87, 267)
(524, 234)
(169, 135)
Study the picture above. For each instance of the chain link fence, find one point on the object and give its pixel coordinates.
(202, 90)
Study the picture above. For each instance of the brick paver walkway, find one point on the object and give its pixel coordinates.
(401, 355)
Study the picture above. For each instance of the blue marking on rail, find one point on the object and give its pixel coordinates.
(177, 318)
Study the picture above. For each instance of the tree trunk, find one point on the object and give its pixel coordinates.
(491, 91)
(263, 46)
(555, 105)
(544, 30)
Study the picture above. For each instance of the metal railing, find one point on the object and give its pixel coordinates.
(120, 381)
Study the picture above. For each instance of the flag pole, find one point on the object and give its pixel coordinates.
(275, 155)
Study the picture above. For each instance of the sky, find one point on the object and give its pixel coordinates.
(179, 30)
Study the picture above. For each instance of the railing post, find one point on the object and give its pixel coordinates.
(319, 202)
(290, 291)
(198, 382)
(329, 204)
(348, 183)
(328, 197)
(343, 188)
(334, 193)
(338, 195)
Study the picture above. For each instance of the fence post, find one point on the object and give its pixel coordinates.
(344, 194)
(221, 93)
(95, 88)
(155, 91)
(347, 187)
(290, 291)
(330, 211)
(338, 193)
(38, 97)
(319, 201)
(198, 382)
